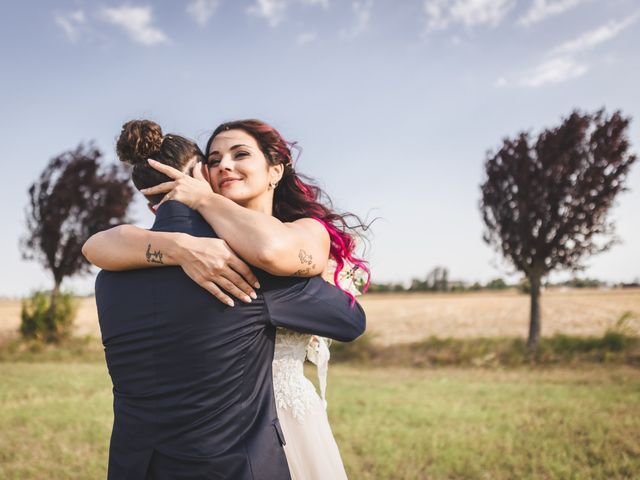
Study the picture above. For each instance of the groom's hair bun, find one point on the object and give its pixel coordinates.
(138, 141)
(143, 139)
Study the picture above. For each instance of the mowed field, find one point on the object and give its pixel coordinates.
(390, 424)
(403, 318)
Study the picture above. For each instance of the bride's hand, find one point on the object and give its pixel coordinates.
(212, 264)
(183, 188)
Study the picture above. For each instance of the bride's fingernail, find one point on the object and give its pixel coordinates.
(257, 285)
(230, 303)
(247, 298)
(253, 295)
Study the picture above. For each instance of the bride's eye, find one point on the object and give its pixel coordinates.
(212, 162)
(241, 154)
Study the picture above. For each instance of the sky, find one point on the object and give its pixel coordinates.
(395, 104)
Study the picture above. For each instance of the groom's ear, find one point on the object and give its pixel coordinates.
(152, 207)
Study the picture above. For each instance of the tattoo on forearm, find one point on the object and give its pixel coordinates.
(154, 257)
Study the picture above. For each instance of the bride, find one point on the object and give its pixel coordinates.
(267, 214)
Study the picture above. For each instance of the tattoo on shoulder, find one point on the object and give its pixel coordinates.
(305, 258)
(301, 272)
(154, 257)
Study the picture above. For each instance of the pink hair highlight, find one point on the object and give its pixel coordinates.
(341, 249)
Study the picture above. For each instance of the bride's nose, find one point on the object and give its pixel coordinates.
(226, 163)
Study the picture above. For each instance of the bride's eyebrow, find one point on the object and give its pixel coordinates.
(235, 147)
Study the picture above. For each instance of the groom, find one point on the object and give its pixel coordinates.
(192, 381)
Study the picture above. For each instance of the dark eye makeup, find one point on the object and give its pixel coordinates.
(215, 161)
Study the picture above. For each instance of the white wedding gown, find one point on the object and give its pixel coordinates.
(311, 450)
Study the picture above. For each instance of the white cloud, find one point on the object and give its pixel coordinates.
(501, 82)
(595, 37)
(435, 12)
(362, 13)
(137, 22)
(555, 70)
(443, 13)
(273, 11)
(202, 10)
(306, 37)
(322, 3)
(567, 61)
(71, 23)
(542, 9)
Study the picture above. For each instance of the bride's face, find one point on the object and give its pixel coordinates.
(239, 170)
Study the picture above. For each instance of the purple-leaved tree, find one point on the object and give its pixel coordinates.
(545, 201)
(73, 198)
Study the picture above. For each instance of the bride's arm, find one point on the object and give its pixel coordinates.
(127, 247)
(299, 248)
(210, 262)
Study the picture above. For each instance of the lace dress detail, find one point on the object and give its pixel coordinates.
(293, 391)
(310, 449)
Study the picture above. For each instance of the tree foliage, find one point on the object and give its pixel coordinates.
(73, 198)
(545, 201)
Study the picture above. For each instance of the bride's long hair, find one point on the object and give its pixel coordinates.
(297, 196)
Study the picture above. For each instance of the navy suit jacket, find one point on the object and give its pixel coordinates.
(192, 381)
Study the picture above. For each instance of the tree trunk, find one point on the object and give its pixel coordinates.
(534, 319)
(52, 328)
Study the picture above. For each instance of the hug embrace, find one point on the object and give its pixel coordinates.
(207, 318)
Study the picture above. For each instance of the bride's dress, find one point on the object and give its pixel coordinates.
(311, 450)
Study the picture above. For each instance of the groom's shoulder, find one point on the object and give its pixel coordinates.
(272, 283)
(109, 282)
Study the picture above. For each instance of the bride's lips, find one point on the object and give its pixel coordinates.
(227, 181)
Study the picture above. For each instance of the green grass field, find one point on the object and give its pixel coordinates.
(390, 423)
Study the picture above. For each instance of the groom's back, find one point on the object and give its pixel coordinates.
(192, 377)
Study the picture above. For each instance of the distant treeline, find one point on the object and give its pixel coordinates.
(438, 281)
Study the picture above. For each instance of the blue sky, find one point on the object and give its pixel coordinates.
(394, 103)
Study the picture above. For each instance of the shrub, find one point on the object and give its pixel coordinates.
(497, 284)
(524, 286)
(40, 323)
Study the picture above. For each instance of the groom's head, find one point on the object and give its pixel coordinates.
(143, 139)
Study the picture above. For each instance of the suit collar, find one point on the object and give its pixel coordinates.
(173, 208)
(173, 216)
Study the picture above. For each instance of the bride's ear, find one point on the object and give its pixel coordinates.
(152, 207)
(276, 172)
(205, 173)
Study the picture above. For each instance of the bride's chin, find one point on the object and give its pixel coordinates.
(238, 198)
